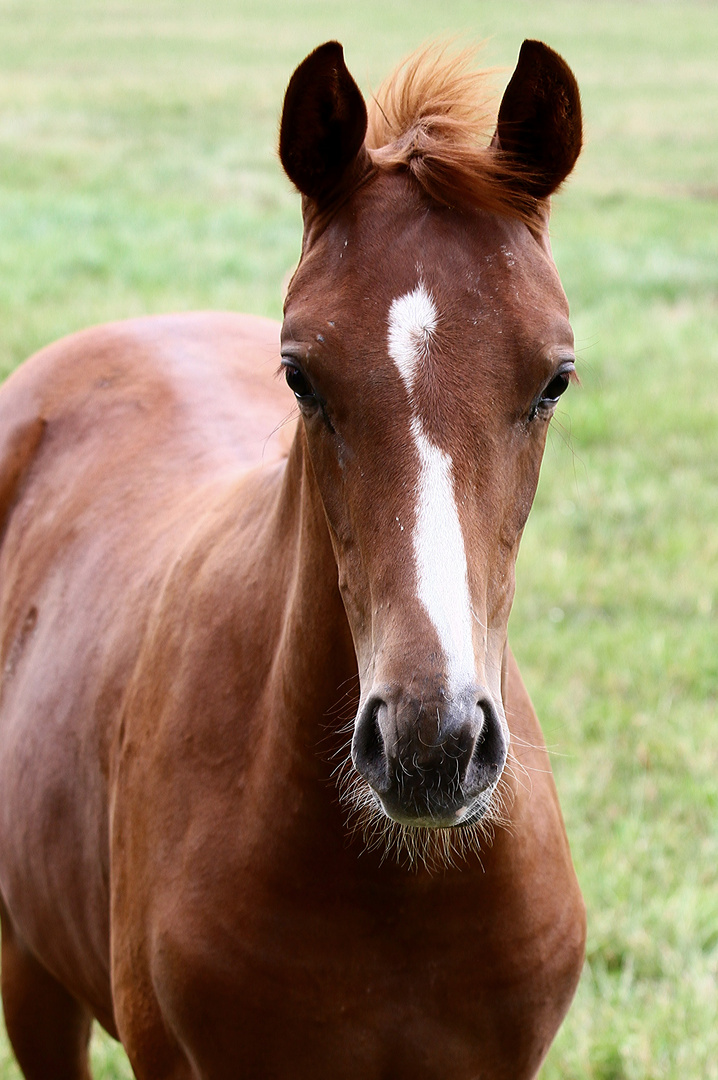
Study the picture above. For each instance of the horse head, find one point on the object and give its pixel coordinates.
(427, 342)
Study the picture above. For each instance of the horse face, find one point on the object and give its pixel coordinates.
(427, 351)
(427, 348)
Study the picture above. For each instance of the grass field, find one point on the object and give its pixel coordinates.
(137, 174)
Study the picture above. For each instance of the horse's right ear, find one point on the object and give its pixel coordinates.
(323, 123)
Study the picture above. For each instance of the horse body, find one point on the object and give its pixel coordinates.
(183, 607)
(103, 408)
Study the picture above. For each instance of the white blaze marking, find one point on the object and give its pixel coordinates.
(441, 559)
(412, 321)
(442, 574)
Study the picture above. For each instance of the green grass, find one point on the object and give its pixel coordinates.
(138, 174)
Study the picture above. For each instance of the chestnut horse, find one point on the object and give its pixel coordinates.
(190, 615)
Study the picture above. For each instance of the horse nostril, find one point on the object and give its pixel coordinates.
(368, 750)
(489, 753)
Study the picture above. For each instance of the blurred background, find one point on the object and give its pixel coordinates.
(138, 173)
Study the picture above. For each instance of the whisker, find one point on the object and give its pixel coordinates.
(419, 847)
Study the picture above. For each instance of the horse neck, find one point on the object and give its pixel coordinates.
(314, 665)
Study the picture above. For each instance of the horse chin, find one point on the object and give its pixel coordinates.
(424, 840)
(426, 843)
(461, 817)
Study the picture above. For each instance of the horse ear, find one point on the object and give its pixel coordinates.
(539, 123)
(323, 123)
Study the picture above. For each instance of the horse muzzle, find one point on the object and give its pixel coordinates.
(430, 762)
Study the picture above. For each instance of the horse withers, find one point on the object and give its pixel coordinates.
(273, 798)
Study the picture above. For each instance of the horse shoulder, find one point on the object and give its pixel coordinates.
(124, 439)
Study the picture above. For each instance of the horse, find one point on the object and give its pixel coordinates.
(274, 801)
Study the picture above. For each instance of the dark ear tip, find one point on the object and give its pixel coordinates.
(531, 46)
(536, 54)
(327, 49)
(321, 57)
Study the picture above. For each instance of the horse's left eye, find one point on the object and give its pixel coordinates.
(554, 389)
(550, 394)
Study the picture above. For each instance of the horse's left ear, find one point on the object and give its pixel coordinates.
(539, 122)
(323, 124)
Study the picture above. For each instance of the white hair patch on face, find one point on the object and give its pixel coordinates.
(412, 322)
(439, 552)
(443, 584)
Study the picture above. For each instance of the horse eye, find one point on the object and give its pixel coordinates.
(297, 383)
(545, 404)
(555, 388)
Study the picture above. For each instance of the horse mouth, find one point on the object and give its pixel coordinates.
(431, 812)
(424, 841)
(425, 819)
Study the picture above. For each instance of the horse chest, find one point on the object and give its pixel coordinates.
(337, 976)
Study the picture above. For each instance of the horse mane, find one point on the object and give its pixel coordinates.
(434, 117)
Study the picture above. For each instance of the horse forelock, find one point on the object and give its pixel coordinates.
(435, 116)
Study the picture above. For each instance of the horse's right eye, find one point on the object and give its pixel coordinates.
(297, 383)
